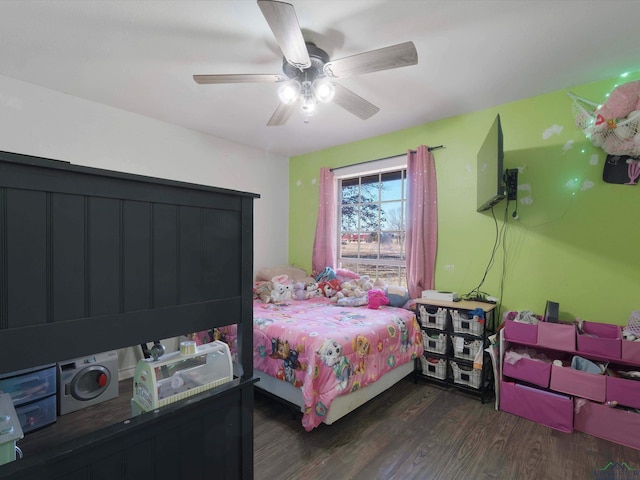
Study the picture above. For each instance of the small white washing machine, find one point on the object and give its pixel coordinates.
(87, 381)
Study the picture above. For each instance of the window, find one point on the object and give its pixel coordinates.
(371, 220)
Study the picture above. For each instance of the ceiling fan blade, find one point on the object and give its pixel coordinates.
(395, 56)
(283, 22)
(240, 78)
(353, 103)
(281, 115)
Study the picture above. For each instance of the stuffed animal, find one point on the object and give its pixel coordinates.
(377, 298)
(282, 289)
(299, 292)
(617, 122)
(325, 275)
(262, 290)
(398, 296)
(329, 288)
(313, 290)
(623, 100)
(352, 301)
(364, 283)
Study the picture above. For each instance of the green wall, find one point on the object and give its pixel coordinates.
(576, 240)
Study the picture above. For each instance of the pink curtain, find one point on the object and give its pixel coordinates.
(422, 220)
(325, 248)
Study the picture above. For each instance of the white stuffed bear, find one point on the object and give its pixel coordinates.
(282, 289)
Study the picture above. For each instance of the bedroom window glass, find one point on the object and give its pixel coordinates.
(371, 218)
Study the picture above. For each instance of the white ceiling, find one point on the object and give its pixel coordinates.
(140, 56)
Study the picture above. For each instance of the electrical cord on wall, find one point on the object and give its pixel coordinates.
(500, 240)
(477, 294)
(503, 240)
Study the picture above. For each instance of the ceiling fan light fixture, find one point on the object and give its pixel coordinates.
(289, 92)
(308, 105)
(323, 90)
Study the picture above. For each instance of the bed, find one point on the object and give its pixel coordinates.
(329, 359)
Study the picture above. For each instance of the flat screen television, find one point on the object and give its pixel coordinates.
(491, 182)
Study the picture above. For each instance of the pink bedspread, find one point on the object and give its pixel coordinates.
(329, 350)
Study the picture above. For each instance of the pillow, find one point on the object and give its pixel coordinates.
(295, 274)
(344, 275)
(397, 295)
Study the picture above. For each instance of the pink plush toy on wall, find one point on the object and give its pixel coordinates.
(616, 128)
(377, 298)
(623, 100)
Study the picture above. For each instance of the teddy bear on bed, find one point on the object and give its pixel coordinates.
(280, 349)
(331, 355)
(262, 290)
(282, 289)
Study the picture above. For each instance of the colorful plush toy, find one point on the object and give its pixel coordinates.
(313, 290)
(616, 125)
(623, 100)
(329, 288)
(377, 298)
(325, 275)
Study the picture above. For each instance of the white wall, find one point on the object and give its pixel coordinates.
(45, 123)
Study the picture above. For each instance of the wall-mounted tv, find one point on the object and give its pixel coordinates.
(494, 182)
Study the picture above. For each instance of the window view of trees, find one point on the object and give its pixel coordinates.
(372, 226)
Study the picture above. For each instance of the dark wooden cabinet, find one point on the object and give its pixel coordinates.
(93, 260)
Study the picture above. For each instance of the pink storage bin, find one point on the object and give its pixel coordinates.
(520, 332)
(631, 351)
(528, 370)
(558, 336)
(550, 409)
(600, 339)
(625, 392)
(578, 383)
(613, 424)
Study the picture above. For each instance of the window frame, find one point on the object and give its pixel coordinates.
(377, 167)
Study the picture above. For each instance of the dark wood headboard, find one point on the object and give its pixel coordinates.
(93, 260)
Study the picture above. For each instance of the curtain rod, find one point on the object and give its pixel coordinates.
(384, 158)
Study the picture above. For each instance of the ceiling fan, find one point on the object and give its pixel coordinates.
(308, 70)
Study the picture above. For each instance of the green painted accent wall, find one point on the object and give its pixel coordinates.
(576, 240)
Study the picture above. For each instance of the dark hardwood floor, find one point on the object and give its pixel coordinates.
(421, 431)
(413, 431)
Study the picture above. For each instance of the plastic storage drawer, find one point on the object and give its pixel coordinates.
(37, 414)
(29, 385)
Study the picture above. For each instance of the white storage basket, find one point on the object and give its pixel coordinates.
(469, 348)
(463, 323)
(434, 367)
(435, 343)
(436, 320)
(464, 375)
